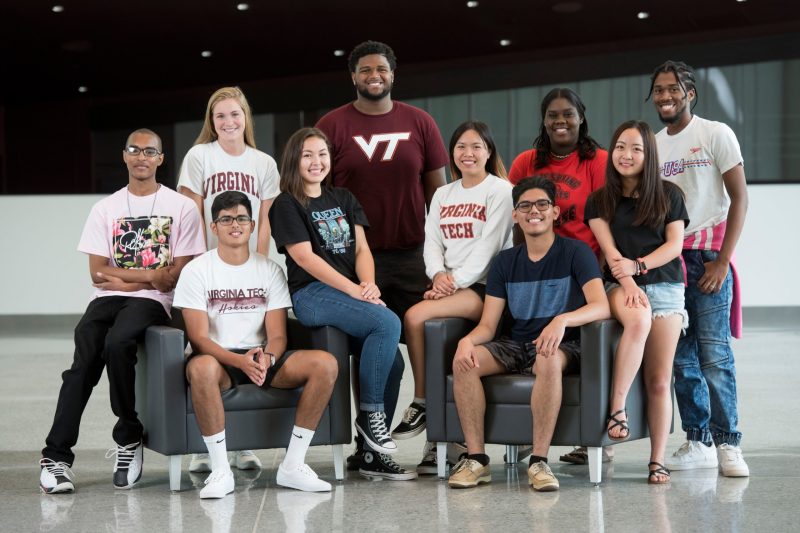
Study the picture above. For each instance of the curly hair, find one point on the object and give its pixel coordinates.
(683, 73)
(587, 146)
(368, 48)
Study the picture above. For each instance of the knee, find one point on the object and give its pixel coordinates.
(324, 366)
(659, 385)
(414, 319)
(203, 371)
(548, 367)
(639, 325)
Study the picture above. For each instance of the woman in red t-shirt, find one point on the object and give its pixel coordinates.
(565, 154)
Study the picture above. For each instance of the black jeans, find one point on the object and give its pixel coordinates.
(106, 336)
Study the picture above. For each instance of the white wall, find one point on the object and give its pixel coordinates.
(43, 273)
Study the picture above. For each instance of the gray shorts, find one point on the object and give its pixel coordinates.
(518, 357)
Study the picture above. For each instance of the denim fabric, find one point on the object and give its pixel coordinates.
(376, 326)
(392, 392)
(705, 375)
(665, 299)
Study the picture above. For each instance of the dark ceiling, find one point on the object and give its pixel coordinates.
(117, 48)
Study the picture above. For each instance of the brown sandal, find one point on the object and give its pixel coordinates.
(652, 476)
(618, 422)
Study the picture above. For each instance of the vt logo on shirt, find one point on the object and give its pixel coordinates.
(391, 140)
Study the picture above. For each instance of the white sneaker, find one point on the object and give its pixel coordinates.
(55, 476)
(200, 462)
(128, 466)
(731, 461)
(244, 460)
(691, 455)
(301, 478)
(218, 484)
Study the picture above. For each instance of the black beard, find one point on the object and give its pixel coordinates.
(374, 97)
(669, 120)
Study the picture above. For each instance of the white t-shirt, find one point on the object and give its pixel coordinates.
(236, 297)
(695, 159)
(208, 170)
(143, 232)
(467, 228)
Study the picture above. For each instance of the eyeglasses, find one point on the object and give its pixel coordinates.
(148, 152)
(541, 205)
(227, 221)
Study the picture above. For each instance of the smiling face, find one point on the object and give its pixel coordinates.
(373, 77)
(236, 234)
(628, 154)
(562, 123)
(229, 120)
(470, 154)
(315, 161)
(535, 223)
(141, 167)
(673, 104)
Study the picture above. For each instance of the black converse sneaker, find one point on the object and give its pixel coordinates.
(381, 466)
(354, 460)
(128, 467)
(413, 422)
(372, 426)
(55, 476)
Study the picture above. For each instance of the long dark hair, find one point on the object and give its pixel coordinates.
(586, 145)
(494, 165)
(291, 180)
(652, 193)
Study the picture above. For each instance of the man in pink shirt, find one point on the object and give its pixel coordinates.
(138, 240)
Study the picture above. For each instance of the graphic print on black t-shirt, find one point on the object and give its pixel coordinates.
(226, 301)
(142, 242)
(334, 229)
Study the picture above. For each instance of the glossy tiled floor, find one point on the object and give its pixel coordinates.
(768, 368)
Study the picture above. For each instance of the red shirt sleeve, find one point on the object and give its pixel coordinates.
(522, 167)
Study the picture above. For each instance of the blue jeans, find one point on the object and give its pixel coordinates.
(376, 328)
(705, 375)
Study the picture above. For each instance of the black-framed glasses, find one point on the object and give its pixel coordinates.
(227, 220)
(148, 152)
(541, 205)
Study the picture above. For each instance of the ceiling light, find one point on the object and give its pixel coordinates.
(643, 15)
(57, 9)
(741, 0)
(83, 89)
(472, 3)
(206, 53)
(338, 52)
(505, 42)
(242, 7)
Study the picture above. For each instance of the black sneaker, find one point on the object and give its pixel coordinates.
(381, 466)
(128, 467)
(354, 460)
(413, 422)
(55, 476)
(372, 426)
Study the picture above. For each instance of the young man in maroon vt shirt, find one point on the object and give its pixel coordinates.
(391, 156)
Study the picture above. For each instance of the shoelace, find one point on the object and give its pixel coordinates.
(57, 468)
(409, 414)
(684, 449)
(305, 469)
(378, 426)
(125, 454)
(388, 461)
(463, 464)
(539, 467)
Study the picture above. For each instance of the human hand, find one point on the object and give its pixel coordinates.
(444, 284)
(111, 283)
(163, 280)
(549, 339)
(465, 358)
(714, 276)
(254, 365)
(369, 291)
(635, 296)
(622, 267)
(431, 294)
